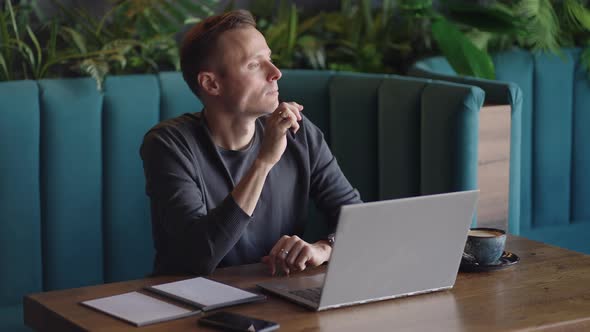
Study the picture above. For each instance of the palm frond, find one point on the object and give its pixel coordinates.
(577, 15)
(120, 59)
(122, 46)
(542, 26)
(496, 18)
(97, 69)
(76, 38)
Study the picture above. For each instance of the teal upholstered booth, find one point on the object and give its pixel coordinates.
(73, 209)
(550, 183)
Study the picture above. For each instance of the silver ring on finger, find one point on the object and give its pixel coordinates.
(284, 252)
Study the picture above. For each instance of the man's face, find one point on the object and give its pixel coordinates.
(248, 79)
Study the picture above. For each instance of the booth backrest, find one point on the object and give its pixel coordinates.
(73, 208)
(553, 184)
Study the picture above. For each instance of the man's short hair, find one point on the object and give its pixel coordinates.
(199, 43)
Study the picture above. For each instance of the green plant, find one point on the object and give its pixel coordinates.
(359, 37)
(134, 36)
(294, 43)
(139, 36)
(21, 53)
(389, 39)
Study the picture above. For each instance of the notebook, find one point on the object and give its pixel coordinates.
(139, 309)
(205, 294)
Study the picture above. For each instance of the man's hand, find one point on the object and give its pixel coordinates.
(285, 117)
(291, 254)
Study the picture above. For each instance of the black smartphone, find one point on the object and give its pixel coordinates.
(234, 322)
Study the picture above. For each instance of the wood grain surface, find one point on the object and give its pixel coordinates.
(549, 289)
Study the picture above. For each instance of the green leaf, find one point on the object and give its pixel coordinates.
(386, 11)
(4, 34)
(63, 58)
(122, 46)
(119, 59)
(202, 10)
(173, 11)
(334, 22)
(309, 23)
(346, 7)
(108, 14)
(77, 38)
(5, 72)
(163, 22)
(368, 18)
(74, 17)
(313, 51)
(284, 11)
(273, 35)
(462, 55)
(415, 5)
(38, 49)
(577, 14)
(292, 30)
(85, 17)
(96, 69)
(497, 18)
(479, 38)
(192, 20)
(26, 52)
(52, 42)
(12, 19)
(543, 26)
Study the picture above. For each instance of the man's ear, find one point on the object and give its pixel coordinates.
(208, 83)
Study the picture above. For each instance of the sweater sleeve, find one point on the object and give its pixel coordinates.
(329, 187)
(188, 238)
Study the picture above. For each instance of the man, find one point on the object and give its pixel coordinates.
(231, 185)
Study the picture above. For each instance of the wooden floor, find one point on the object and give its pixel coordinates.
(494, 156)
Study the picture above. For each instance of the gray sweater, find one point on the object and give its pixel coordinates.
(196, 224)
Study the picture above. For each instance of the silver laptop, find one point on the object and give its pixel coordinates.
(388, 249)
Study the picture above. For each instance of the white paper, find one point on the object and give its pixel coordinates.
(138, 308)
(204, 291)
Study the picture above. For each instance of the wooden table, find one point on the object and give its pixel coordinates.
(548, 289)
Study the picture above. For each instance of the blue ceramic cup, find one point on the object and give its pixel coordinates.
(484, 246)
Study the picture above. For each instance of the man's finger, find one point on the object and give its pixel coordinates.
(274, 252)
(285, 251)
(291, 117)
(293, 108)
(294, 253)
(303, 258)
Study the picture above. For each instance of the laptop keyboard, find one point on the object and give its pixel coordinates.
(310, 294)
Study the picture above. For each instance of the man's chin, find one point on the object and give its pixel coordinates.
(267, 109)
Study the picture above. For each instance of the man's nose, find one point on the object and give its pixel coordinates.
(274, 73)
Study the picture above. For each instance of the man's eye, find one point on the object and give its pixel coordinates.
(253, 65)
